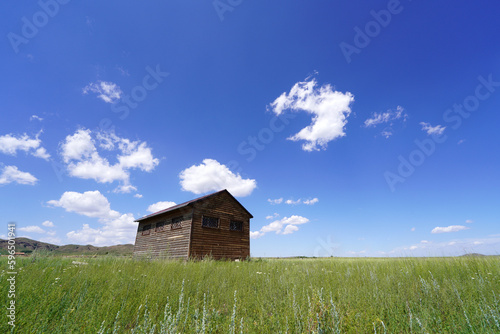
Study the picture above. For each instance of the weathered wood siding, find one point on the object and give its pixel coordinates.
(167, 242)
(220, 242)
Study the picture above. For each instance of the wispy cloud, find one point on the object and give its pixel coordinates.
(432, 130)
(448, 229)
(390, 117)
(275, 201)
(107, 91)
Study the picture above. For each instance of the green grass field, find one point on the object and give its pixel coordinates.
(332, 295)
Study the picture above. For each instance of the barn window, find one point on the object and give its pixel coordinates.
(235, 225)
(210, 222)
(146, 229)
(160, 227)
(176, 223)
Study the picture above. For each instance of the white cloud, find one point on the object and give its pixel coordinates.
(288, 223)
(468, 221)
(275, 201)
(107, 91)
(35, 117)
(413, 229)
(390, 116)
(448, 229)
(90, 204)
(10, 144)
(115, 231)
(256, 234)
(431, 130)
(13, 174)
(80, 153)
(424, 242)
(311, 201)
(275, 215)
(213, 176)
(329, 108)
(293, 202)
(158, 206)
(289, 229)
(118, 228)
(125, 189)
(138, 196)
(386, 117)
(48, 223)
(32, 229)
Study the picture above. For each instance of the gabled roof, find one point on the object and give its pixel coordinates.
(190, 203)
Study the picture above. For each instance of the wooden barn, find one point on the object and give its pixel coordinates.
(216, 225)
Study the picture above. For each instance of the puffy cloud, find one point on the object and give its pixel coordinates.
(138, 196)
(448, 229)
(78, 146)
(329, 108)
(83, 160)
(288, 223)
(48, 223)
(213, 176)
(431, 130)
(158, 206)
(107, 91)
(117, 228)
(115, 231)
(90, 204)
(13, 174)
(32, 229)
(289, 229)
(10, 144)
(292, 202)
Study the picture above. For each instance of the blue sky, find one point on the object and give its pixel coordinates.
(346, 128)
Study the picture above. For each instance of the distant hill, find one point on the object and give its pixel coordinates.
(28, 246)
(473, 254)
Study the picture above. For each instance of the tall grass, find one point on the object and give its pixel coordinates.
(116, 295)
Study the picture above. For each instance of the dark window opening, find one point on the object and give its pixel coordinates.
(236, 225)
(210, 222)
(146, 229)
(160, 227)
(177, 223)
